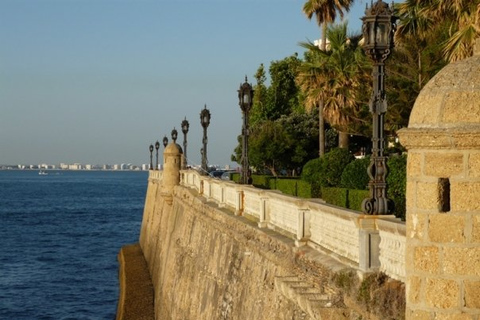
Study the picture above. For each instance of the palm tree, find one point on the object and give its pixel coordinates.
(325, 12)
(414, 28)
(461, 17)
(335, 76)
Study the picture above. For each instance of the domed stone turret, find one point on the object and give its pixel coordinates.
(443, 196)
(451, 98)
(172, 161)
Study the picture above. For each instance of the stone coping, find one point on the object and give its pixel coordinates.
(440, 138)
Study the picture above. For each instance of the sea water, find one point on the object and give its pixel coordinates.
(60, 235)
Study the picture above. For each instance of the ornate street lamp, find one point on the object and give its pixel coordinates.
(185, 126)
(157, 146)
(205, 121)
(245, 97)
(174, 135)
(151, 156)
(165, 141)
(378, 30)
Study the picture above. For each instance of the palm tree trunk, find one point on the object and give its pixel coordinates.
(321, 121)
(321, 130)
(343, 138)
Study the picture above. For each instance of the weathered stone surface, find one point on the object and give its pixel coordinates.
(472, 294)
(414, 290)
(418, 315)
(441, 164)
(474, 165)
(469, 112)
(207, 263)
(462, 261)
(443, 183)
(414, 164)
(417, 225)
(427, 195)
(442, 293)
(445, 228)
(457, 316)
(476, 228)
(426, 259)
(465, 196)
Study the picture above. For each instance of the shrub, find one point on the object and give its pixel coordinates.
(355, 175)
(355, 198)
(397, 182)
(335, 162)
(312, 170)
(327, 170)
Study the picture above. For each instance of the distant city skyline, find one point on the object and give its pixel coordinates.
(99, 81)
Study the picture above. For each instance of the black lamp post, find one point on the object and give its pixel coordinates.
(205, 121)
(151, 156)
(157, 146)
(378, 30)
(245, 97)
(165, 141)
(185, 126)
(174, 135)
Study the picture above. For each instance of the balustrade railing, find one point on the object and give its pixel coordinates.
(367, 242)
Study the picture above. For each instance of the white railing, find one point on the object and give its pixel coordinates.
(368, 242)
(335, 229)
(155, 175)
(392, 248)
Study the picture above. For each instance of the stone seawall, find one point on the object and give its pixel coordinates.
(207, 263)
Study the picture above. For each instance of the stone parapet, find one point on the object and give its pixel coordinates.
(350, 236)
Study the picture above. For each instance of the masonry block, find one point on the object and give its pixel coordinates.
(411, 195)
(414, 289)
(442, 293)
(476, 228)
(459, 316)
(427, 195)
(462, 261)
(418, 315)
(474, 165)
(472, 294)
(416, 226)
(444, 228)
(465, 196)
(426, 259)
(439, 164)
(414, 164)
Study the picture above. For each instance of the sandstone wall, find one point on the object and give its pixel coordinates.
(207, 263)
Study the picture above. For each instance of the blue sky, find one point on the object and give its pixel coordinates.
(97, 81)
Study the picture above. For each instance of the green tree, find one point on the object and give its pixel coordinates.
(269, 143)
(260, 98)
(283, 92)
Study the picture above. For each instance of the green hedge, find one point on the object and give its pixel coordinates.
(335, 196)
(346, 198)
(292, 186)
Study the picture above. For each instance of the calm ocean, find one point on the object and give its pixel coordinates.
(60, 235)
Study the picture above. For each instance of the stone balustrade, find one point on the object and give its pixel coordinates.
(369, 243)
(156, 175)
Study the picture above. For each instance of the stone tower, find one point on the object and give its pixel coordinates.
(443, 196)
(172, 162)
